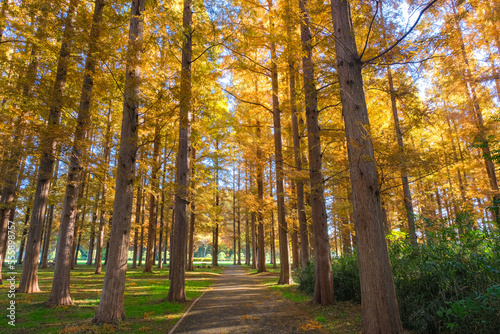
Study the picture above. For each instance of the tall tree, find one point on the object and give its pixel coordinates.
(304, 238)
(153, 201)
(260, 200)
(285, 269)
(60, 294)
(111, 308)
(379, 310)
(29, 277)
(177, 291)
(323, 288)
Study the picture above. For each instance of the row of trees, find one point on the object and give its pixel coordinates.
(217, 101)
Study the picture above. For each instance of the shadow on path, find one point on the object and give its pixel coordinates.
(240, 303)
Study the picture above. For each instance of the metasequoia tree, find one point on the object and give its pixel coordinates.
(299, 183)
(261, 267)
(153, 201)
(481, 137)
(323, 288)
(403, 169)
(285, 266)
(60, 294)
(177, 291)
(379, 310)
(29, 277)
(111, 308)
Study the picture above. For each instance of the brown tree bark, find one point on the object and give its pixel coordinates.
(299, 183)
(239, 219)
(247, 241)
(83, 193)
(261, 267)
(177, 291)
(102, 215)
(234, 216)
(215, 237)
(23, 237)
(161, 259)
(402, 163)
(153, 202)
(90, 252)
(111, 308)
(323, 289)
(29, 277)
(379, 307)
(273, 235)
(285, 269)
(192, 218)
(48, 228)
(481, 136)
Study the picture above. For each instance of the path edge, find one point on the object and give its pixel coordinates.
(171, 331)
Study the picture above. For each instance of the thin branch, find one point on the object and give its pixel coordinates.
(329, 106)
(214, 45)
(249, 102)
(429, 5)
(412, 61)
(370, 30)
(326, 86)
(245, 56)
(114, 79)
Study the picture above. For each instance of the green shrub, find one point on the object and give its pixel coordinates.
(306, 278)
(346, 278)
(478, 314)
(450, 284)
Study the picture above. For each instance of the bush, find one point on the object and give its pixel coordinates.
(448, 285)
(346, 278)
(478, 314)
(306, 278)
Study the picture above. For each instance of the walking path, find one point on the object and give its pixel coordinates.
(240, 303)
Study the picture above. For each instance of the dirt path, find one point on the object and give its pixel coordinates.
(240, 303)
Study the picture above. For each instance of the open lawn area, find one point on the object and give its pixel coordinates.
(146, 307)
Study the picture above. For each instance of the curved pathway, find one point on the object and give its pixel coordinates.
(239, 302)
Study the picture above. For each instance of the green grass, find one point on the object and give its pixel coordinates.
(146, 307)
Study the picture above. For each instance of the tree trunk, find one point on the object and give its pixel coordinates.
(78, 247)
(323, 289)
(111, 308)
(102, 215)
(304, 239)
(215, 236)
(286, 269)
(247, 241)
(260, 195)
(48, 228)
(153, 202)
(192, 219)
(481, 136)
(239, 220)
(177, 291)
(234, 217)
(90, 252)
(379, 307)
(29, 277)
(161, 258)
(404, 175)
(141, 248)
(23, 238)
(273, 235)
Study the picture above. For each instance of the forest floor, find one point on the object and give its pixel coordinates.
(241, 301)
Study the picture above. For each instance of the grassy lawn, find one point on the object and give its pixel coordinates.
(146, 307)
